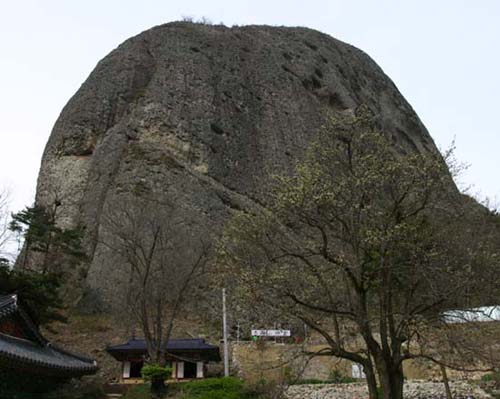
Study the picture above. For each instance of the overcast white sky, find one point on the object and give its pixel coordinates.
(444, 56)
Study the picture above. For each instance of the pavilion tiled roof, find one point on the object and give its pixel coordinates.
(174, 346)
(37, 355)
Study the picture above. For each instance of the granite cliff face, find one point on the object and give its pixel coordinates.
(204, 115)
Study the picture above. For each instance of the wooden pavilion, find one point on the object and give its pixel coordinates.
(187, 357)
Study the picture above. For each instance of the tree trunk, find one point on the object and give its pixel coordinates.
(158, 388)
(397, 379)
(391, 380)
(446, 382)
(371, 381)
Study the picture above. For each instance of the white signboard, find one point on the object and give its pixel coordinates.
(271, 333)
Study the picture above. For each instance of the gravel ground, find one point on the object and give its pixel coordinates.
(412, 390)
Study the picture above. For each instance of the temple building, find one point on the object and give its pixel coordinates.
(188, 358)
(23, 347)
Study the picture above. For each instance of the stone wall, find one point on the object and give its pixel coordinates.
(285, 362)
(412, 390)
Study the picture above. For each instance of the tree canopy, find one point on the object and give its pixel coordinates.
(55, 245)
(38, 275)
(38, 291)
(366, 243)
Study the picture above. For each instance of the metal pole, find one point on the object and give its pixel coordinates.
(224, 328)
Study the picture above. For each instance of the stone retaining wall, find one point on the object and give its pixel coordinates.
(282, 363)
(412, 390)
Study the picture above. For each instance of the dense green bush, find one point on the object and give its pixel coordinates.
(152, 372)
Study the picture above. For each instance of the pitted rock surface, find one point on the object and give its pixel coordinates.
(204, 115)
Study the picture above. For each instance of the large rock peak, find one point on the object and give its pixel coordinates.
(204, 115)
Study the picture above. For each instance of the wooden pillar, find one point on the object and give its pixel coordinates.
(126, 370)
(180, 370)
(199, 370)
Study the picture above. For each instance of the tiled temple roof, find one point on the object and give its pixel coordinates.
(37, 355)
(8, 305)
(48, 359)
(174, 346)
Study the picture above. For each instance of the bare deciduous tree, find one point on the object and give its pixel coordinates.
(5, 234)
(164, 259)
